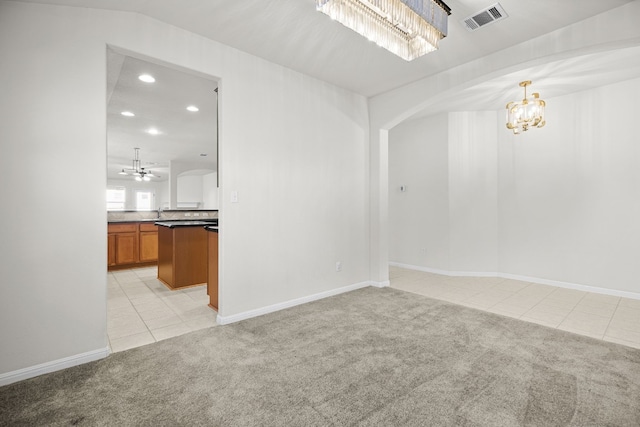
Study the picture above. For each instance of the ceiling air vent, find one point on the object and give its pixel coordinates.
(491, 14)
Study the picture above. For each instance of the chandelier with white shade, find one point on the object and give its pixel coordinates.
(407, 28)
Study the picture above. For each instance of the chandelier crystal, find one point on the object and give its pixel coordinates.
(526, 114)
(407, 28)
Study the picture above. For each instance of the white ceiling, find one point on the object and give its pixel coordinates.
(292, 33)
(556, 78)
(184, 136)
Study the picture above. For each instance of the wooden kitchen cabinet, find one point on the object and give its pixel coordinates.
(182, 256)
(126, 248)
(212, 275)
(148, 242)
(111, 250)
(131, 245)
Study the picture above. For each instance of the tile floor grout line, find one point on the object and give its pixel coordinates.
(140, 278)
(611, 318)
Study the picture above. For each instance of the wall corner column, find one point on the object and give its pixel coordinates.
(379, 206)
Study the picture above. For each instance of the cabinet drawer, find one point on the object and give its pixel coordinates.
(122, 228)
(148, 227)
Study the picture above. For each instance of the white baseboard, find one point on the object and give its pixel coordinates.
(384, 284)
(55, 365)
(446, 272)
(579, 287)
(225, 320)
(556, 283)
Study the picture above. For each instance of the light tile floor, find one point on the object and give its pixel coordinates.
(141, 310)
(599, 316)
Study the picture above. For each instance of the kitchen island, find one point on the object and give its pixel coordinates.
(182, 253)
(212, 281)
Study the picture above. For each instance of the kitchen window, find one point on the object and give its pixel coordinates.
(116, 197)
(144, 200)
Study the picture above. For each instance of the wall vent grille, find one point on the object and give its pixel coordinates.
(487, 16)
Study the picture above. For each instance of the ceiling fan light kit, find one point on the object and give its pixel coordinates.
(137, 171)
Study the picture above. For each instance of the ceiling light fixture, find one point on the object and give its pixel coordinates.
(193, 108)
(526, 114)
(153, 131)
(127, 114)
(407, 28)
(137, 171)
(147, 78)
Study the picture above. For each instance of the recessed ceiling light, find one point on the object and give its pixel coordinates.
(147, 78)
(193, 108)
(153, 131)
(127, 113)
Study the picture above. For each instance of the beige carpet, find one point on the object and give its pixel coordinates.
(372, 357)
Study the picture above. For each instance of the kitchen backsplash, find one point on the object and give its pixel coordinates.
(184, 214)
(165, 214)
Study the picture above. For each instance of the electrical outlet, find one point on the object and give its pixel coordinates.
(338, 265)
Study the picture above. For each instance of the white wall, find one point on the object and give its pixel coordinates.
(198, 188)
(186, 185)
(613, 29)
(52, 266)
(419, 217)
(210, 191)
(569, 198)
(190, 190)
(299, 172)
(447, 218)
(299, 169)
(473, 208)
(557, 204)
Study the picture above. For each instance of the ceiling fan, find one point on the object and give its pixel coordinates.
(140, 173)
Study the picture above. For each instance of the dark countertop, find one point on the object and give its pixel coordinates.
(212, 228)
(116, 221)
(185, 223)
(189, 210)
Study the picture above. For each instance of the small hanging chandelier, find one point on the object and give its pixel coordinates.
(525, 114)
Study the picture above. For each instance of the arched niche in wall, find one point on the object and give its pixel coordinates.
(197, 189)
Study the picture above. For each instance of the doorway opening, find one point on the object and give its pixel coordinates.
(168, 116)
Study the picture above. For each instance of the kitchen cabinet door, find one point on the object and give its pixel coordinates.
(111, 249)
(148, 246)
(126, 248)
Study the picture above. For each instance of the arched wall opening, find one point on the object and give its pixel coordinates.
(466, 102)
